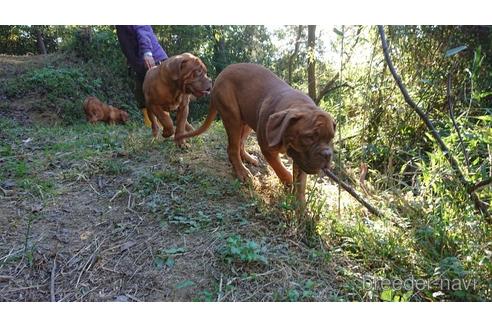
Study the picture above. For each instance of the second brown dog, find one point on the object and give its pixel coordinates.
(169, 87)
(95, 111)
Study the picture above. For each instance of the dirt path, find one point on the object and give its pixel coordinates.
(132, 220)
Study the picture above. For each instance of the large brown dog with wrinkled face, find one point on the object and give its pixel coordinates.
(169, 87)
(250, 97)
(95, 111)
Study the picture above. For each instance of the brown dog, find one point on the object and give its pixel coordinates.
(250, 97)
(169, 86)
(95, 111)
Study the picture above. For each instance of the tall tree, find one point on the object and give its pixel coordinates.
(39, 39)
(312, 61)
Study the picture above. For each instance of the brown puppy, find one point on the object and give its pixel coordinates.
(169, 86)
(95, 111)
(250, 97)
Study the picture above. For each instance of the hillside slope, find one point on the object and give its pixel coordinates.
(92, 213)
(103, 213)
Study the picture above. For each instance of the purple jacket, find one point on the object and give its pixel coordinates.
(135, 41)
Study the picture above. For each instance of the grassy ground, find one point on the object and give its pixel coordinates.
(96, 212)
(102, 213)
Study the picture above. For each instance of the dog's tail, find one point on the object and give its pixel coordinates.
(212, 113)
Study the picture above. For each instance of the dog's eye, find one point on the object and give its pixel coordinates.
(310, 137)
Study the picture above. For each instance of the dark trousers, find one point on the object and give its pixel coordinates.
(138, 92)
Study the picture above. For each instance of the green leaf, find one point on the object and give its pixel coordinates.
(170, 262)
(159, 263)
(184, 284)
(454, 51)
(406, 296)
(387, 295)
(487, 118)
(309, 284)
(293, 295)
(175, 250)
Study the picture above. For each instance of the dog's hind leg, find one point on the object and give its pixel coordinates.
(245, 156)
(232, 124)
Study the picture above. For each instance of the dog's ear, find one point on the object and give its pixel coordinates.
(278, 123)
(175, 65)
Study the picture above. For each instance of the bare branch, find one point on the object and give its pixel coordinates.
(354, 194)
(480, 184)
(52, 281)
(326, 89)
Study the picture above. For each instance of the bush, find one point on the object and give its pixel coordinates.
(94, 67)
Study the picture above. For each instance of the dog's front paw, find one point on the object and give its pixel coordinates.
(181, 143)
(166, 133)
(244, 175)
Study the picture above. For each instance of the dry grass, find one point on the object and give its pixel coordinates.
(101, 231)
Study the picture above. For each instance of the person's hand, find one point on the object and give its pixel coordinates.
(149, 61)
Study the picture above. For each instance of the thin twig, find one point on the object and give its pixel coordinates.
(97, 192)
(481, 184)
(89, 262)
(11, 253)
(52, 282)
(219, 294)
(133, 298)
(4, 191)
(6, 278)
(354, 194)
(451, 114)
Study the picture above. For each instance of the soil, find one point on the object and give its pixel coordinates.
(97, 237)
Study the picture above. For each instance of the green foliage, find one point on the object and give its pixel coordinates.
(21, 39)
(54, 83)
(300, 292)
(217, 47)
(62, 85)
(432, 230)
(389, 295)
(246, 251)
(167, 258)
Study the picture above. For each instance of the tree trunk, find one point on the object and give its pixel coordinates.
(311, 61)
(219, 54)
(40, 40)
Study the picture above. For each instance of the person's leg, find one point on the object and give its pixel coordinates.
(140, 98)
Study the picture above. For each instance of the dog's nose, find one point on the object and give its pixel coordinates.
(327, 153)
